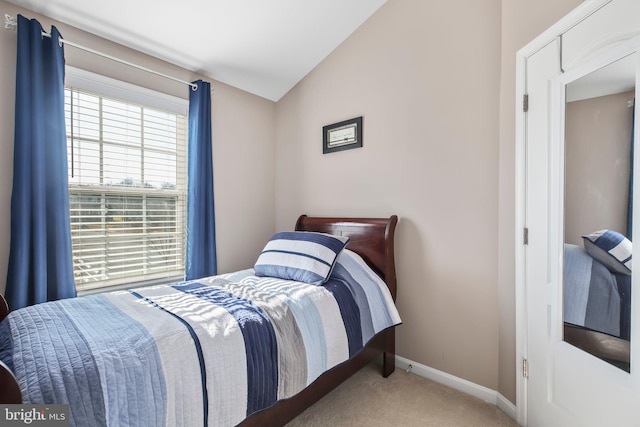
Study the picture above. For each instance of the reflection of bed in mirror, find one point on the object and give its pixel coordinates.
(598, 195)
(597, 303)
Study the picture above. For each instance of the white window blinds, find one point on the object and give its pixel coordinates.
(127, 190)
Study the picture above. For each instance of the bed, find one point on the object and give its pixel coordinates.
(597, 300)
(148, 353)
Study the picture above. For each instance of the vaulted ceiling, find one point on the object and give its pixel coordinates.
(262, 46)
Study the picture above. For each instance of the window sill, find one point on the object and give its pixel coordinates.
(133, 285)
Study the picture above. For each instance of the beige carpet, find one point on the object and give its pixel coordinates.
(368, 399)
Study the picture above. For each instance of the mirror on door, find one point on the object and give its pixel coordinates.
(599, 120)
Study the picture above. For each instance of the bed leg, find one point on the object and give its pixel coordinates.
(10, 390)
(389, 355)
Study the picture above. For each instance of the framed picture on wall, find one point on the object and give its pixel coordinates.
(342, 136)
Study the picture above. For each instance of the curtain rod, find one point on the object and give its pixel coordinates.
(10, 23)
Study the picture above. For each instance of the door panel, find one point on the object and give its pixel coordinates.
(615, 22)
(541, 68)
(566, 386)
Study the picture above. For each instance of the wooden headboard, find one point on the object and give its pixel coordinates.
(371, 238)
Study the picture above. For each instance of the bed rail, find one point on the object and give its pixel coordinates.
(9, 389)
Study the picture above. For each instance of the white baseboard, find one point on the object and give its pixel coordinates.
(506, 406)
(481, 392)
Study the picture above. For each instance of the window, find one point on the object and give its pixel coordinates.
(127, 186)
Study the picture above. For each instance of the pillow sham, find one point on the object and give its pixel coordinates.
(303, 256)
(610, 248)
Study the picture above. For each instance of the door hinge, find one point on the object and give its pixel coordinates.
(525, 103)
(525, 236)
(525, 368)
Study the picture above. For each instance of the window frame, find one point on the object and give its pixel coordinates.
(116, 89)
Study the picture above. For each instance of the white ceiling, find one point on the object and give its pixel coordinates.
(262, 46)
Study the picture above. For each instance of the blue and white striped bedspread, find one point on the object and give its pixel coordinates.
(205, 352)
(593, 296)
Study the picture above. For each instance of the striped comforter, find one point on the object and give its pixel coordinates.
(593, 296)
(205, 352)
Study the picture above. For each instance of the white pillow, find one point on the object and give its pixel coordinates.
(302, 256)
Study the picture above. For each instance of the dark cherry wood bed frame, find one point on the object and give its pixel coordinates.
(373, 240)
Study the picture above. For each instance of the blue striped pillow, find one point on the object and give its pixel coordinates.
(302, 256)
(610, 248)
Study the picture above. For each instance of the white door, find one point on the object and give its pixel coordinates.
(565, 386)
(541, 68)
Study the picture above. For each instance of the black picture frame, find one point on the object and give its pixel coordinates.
(342, 136)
